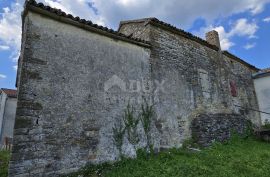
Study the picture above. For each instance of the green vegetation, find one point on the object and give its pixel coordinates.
(118, 135)
(4, 159)
(131, 123)
(266, 125)
(147, 113)
(238, 157)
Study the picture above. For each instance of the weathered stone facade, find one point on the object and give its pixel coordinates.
(75, 80)
(209, 128)
(197, 76)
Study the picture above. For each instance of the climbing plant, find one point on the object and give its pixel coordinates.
(146, 116)
(131, 123)
(118, 135)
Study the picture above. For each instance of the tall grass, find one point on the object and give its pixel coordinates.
(237, 157)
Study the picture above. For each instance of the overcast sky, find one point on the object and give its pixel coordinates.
(243, 25)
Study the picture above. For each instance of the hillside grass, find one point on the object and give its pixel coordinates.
(4, 160)
(238, 157)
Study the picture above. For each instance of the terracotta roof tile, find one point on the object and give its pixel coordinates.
(10, 92)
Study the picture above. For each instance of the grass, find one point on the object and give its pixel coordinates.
(238, 157)
(4, 159)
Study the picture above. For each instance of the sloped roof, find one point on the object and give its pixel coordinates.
(10, 92)
(188, 35)
(232, 56)
(156, 21)
(266, 70)
(49, 11)
(58, 14)
(262, 73)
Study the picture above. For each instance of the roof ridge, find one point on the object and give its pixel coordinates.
(59, 12)
(190, 36)
(225, 52)
(202, 40)
(154, 20)
(187, 34)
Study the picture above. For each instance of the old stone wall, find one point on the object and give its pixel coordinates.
(139, 30)
(74, 86)
(198, 80)
(209, 128)
(245, 99)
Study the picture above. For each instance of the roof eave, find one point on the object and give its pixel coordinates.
(184, 34)
(261, 73)
(158, 23)
(230, 55)
(29, 7)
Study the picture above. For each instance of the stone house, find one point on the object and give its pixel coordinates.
(78, 81)
(8, 104)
